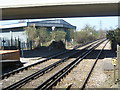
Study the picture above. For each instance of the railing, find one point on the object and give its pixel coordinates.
(13, 44)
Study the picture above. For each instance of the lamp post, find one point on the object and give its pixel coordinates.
(11, 37)
(1, 37)
(53, 28)
(3, 41)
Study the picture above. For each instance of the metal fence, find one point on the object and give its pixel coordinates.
(14, 43)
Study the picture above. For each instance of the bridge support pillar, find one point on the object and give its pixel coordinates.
(118, 61)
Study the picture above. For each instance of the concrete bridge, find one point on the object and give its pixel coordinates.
(33, 9)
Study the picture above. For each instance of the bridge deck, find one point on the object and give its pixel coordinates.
(58, 9)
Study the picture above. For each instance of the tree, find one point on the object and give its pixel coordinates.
(114, 35)
(88, 33)
(117, 31)
(30, 32)
(110, 35)
(37, 36)
(58, 35)
(31, 35)
(42, 35)
(69, 34)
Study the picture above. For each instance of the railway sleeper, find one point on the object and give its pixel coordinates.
(64, 71)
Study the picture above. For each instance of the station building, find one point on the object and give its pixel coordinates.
(17, 31)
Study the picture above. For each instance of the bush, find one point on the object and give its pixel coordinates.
(87, 34)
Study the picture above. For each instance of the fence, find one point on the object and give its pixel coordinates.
(13, 44)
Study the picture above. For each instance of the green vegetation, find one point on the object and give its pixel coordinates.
(40, 36)
(58, 35)
(88, 33)
(37, 36)
(30, 32)
(114, 37)
(70, 34)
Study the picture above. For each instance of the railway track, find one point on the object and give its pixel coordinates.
(38, 73)
(92, 68)
(47, 84)
(6, 75)
(77, 77)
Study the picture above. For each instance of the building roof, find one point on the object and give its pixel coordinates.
(15, 25)
(51, 23)
(44, 23)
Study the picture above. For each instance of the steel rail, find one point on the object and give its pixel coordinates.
(38, 73)
(92, 68)
(6, 75)
(56, 77)
(29, 66)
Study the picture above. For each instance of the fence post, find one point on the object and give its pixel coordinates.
(30, 45)
(118, 60)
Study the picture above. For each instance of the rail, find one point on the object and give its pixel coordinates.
(92, 68)
(56, 77)
(6, 75)
(40, 72)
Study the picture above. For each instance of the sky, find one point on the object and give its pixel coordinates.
(106, 22)
(80, 22)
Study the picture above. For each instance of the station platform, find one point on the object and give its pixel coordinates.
(9, 60)
(9, 55)
(9, 65)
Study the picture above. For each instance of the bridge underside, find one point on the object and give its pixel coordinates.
(59, 11)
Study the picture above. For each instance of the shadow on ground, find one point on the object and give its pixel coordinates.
(104, 54)
(44, 52)
(40, 52)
